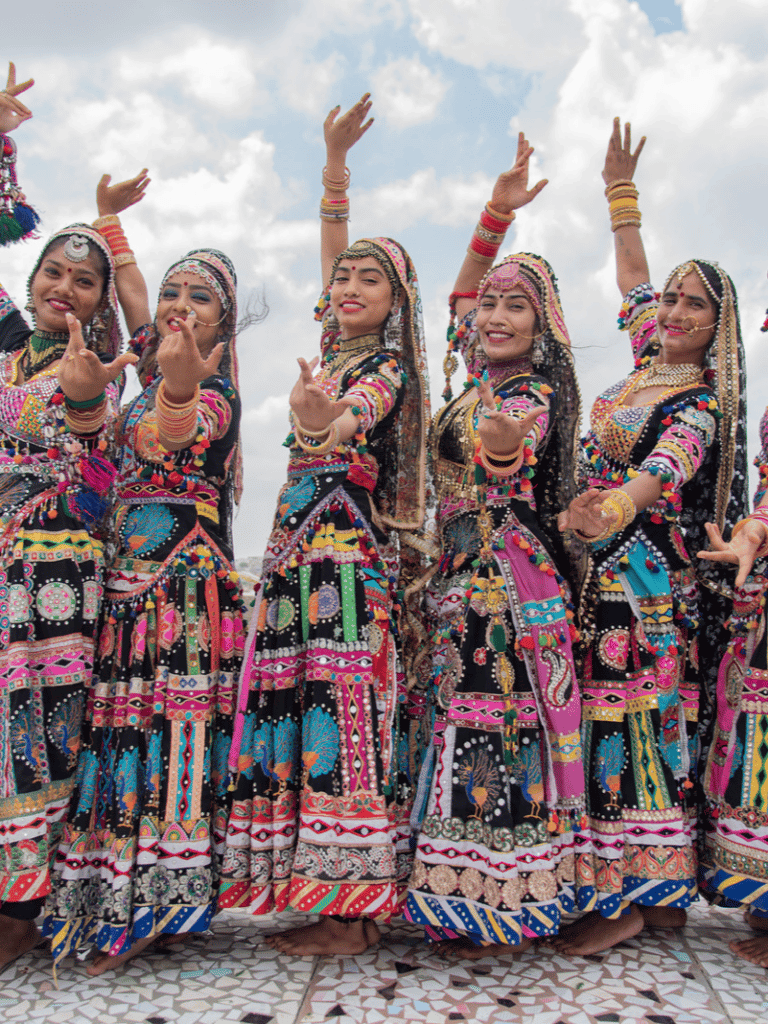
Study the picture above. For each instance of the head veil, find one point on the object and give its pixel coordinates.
(403, 493)
(555, 480)
(102, 332)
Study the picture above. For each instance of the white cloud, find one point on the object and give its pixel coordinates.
(407, 92)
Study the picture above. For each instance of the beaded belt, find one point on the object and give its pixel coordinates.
(455, 479)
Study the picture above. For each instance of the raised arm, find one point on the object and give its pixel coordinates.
(12, 111)
(341, 133)
(129, 280)
(618, 175)
(509, 193)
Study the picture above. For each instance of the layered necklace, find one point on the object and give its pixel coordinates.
(344, 351)
(42, 349)
(499, 372)
(669, 375)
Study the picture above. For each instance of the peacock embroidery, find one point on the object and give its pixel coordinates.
(480, 780)
(609, 765)
(320, 743)
(64, 727)
(527, 769)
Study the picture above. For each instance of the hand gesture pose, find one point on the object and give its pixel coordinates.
(82, 375)
(113, 199)
(741, 550)
(585, 516)
(311, 406)
(13, 111)
(620, 161)
(499, 432)
(511, 189)
(181, 362)
(341, 133)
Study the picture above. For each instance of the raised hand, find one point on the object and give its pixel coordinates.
(341, 133)
(620, 161)
(584, 515)
(311, 406)
(511, 189)
(499, 432)
(741, 550)
(112, 199)
(82, 375)
(12, 111)
(182, 364)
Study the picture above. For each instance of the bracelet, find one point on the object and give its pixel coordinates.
(321, 448)
(305, 432)
(85, 421)
(622, 204)
(111, 230)
(760, 515)
(87, 404)
(336, 186)
(489, 234)
(501, 465)
(621, 504)
(176, 421)
(334, 209)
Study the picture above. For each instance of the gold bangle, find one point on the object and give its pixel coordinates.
(506, 217)
(310, 433)
(323, 447)
(617, 182)
(487, 261)
(508, 465)
(621, 504)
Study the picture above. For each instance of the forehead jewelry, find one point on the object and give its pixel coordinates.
(77, 248)
(683, 271)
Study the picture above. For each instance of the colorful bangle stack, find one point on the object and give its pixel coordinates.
(622, 204)
(489, 234)
(501, 465)
(760, 515)
(620, 504)
(176, 422)
(336, 186)
(111, 230)
(334, 209)
(87, 417)
(318, 447)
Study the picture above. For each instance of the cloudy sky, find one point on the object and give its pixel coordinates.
(224, 102)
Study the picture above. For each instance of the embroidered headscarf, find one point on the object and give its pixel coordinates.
(403, 489)
(102, 332)
(551, 356)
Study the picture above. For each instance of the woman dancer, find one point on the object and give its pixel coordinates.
(495, 856)
(320, 819)
(734, 846)
(140, 853)
(54, 490)
(665, 452)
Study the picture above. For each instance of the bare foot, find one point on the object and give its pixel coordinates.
(759, 924)
(463, 948)
(327, 938)
(163, 941)
(755, 949)
(594, 933)
(16, 939)
(104, 962)
(664, 917)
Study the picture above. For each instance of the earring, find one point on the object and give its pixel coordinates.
(393, 328)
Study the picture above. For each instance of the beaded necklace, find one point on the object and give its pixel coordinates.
(42, 349)
(343, 351)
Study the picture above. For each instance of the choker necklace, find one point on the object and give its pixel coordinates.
(42, 349)
(676, 375)
(344, 348)
(498, 372)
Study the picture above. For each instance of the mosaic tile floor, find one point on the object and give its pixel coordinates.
(229, 975)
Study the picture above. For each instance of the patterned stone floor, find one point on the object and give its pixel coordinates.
(229, 975)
